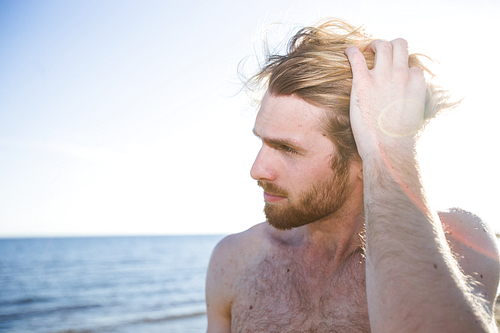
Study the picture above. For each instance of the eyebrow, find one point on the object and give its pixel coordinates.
(279, 142)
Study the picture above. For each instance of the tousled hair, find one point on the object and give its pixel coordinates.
(316, 69)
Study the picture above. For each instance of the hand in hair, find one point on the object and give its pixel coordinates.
(387, 107)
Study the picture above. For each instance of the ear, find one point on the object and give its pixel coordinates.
(358, 168)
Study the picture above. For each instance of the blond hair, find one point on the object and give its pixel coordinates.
(316, 69)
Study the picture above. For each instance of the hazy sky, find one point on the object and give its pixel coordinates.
(123, 117)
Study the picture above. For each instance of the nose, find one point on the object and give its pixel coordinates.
(262, 167)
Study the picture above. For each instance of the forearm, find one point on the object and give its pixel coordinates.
(413, 282)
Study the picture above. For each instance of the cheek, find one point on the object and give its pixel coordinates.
(302, 178)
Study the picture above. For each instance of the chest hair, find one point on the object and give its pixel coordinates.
(280, 293)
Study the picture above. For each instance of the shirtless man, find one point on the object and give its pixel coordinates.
(350, 243)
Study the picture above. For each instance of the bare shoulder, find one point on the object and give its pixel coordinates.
(228, 259)
(475, 247)
(233, 251)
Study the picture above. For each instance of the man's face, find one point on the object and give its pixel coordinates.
(296, 165)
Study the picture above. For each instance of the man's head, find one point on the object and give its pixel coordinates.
(316, 71)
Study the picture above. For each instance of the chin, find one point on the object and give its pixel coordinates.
(282, 223)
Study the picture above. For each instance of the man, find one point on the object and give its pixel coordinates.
(350, 243)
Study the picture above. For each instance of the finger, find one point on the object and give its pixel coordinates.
(417, 73)
(400, 54)
(417, 80)
(357, 61)
(383, 54)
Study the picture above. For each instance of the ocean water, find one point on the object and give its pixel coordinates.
(104, 284)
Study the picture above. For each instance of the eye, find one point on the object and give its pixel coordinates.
(287, 149)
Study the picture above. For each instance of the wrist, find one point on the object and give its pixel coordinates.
(389, 149)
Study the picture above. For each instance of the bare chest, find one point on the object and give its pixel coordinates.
(280, 295)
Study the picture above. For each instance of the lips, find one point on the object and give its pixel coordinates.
(272, 197)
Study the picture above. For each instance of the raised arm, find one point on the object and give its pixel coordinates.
(414, 283)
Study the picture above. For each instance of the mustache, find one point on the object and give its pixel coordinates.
(272, 189)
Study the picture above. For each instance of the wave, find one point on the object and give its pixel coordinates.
(33, 313)
(113, 328)
(62, 309)
(75, 331)
(27, 300)
(170, 317)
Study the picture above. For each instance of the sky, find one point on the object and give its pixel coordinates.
(127, 117)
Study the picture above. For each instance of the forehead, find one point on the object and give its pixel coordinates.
(287, 115)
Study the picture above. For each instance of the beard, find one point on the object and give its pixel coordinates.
(321, 199)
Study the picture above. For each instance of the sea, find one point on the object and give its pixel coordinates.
(104, 284)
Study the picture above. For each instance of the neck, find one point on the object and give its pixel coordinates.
(335, 237)
(340, 236)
